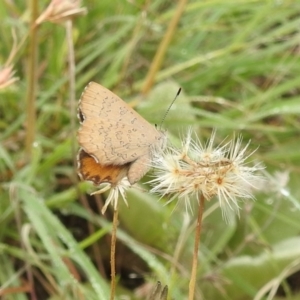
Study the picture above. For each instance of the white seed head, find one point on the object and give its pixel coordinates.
(199, 169)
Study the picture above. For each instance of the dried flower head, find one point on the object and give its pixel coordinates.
(205, 170)
(7, 77)
(59, 11)
(114, 193)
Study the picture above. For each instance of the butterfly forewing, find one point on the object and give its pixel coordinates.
(111, 131)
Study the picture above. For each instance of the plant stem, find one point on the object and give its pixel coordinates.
(193, 279)
(113, 255)
(32, 79)
(72, 96)
(162, 49)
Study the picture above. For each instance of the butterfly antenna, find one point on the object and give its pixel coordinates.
(167, 111)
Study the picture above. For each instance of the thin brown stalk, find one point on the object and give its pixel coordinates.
(72, 96)
(133, 42)
(30, 103)
(113, 255)
(32, 79)
(163, 47)
(193, 278)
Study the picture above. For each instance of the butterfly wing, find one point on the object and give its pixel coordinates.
(89, 169)
(111, 131)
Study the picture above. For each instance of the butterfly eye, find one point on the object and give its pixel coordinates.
(80, 116)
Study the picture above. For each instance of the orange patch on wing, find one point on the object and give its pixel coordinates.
(90, 169)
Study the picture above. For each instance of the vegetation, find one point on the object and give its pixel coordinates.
(237, 63)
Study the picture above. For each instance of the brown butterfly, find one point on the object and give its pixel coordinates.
(116, 142)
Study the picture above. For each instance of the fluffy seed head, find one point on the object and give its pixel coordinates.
(198, 169)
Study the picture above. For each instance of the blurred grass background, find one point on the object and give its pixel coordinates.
(238, 63)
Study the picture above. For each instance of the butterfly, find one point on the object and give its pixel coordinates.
(116, 142)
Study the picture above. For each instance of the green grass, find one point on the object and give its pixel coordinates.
(238, 65)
